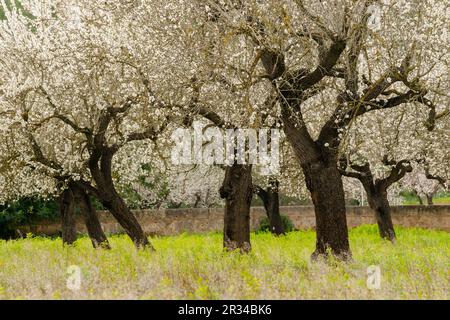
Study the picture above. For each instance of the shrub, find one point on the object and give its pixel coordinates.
(264, 225)
(25, 211)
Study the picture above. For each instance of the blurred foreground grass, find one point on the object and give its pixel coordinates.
(194, 267)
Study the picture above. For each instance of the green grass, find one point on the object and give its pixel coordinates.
(414, 201)
(194, 267)
(411, 199)
(443, 200)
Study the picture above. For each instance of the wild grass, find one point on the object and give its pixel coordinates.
(415, 202)
(195, 267)
(443, 200)
(440, 198)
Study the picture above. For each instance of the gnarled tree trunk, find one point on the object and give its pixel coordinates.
(237, 191)
(111, 200)
(419, 198)
(327, 192)
(67, 211)
(379, 203)
(118, 208)
(430, 199)
(376, 190)
(93, 225)
(270, 199)
(317, 158)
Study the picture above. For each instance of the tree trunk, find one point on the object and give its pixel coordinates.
(68, 223)
(111, 200)
(376, 190)
(379, 203)
(93, 225)
(430, 199)
(327, 193)
(118, 208)
(270, 199)
(418, 197)
(237, 191)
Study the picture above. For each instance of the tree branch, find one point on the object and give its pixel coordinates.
(430, 176)
(398, 171)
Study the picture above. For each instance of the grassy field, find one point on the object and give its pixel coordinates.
(415, 202)
(444, 200)
(194, 267)
(441, 198)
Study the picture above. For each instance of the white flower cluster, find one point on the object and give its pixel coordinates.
(66, 63)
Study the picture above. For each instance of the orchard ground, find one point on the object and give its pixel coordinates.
(195, 267)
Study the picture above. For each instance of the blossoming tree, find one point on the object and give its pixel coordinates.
(329, 63)
(76, 88)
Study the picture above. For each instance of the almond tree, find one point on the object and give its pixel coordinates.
(431, 168)
(382, 148)
(75, 86)
(21, 177)
(421, 186)
(379, 155)
(329, 63)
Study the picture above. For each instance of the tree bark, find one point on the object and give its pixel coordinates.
(118, 208)
(376, 190)
(270, 199)
(68, 223)
(318, 160)
(418, 197)
(327, 192)
(237, 191)
(379, 203)
(111, 200)
(93, 225)
(430, 199)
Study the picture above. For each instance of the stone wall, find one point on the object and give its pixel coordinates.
(176, 221)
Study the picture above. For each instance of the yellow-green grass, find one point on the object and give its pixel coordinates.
(195, 267)
(440, 200)
(443, 200)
